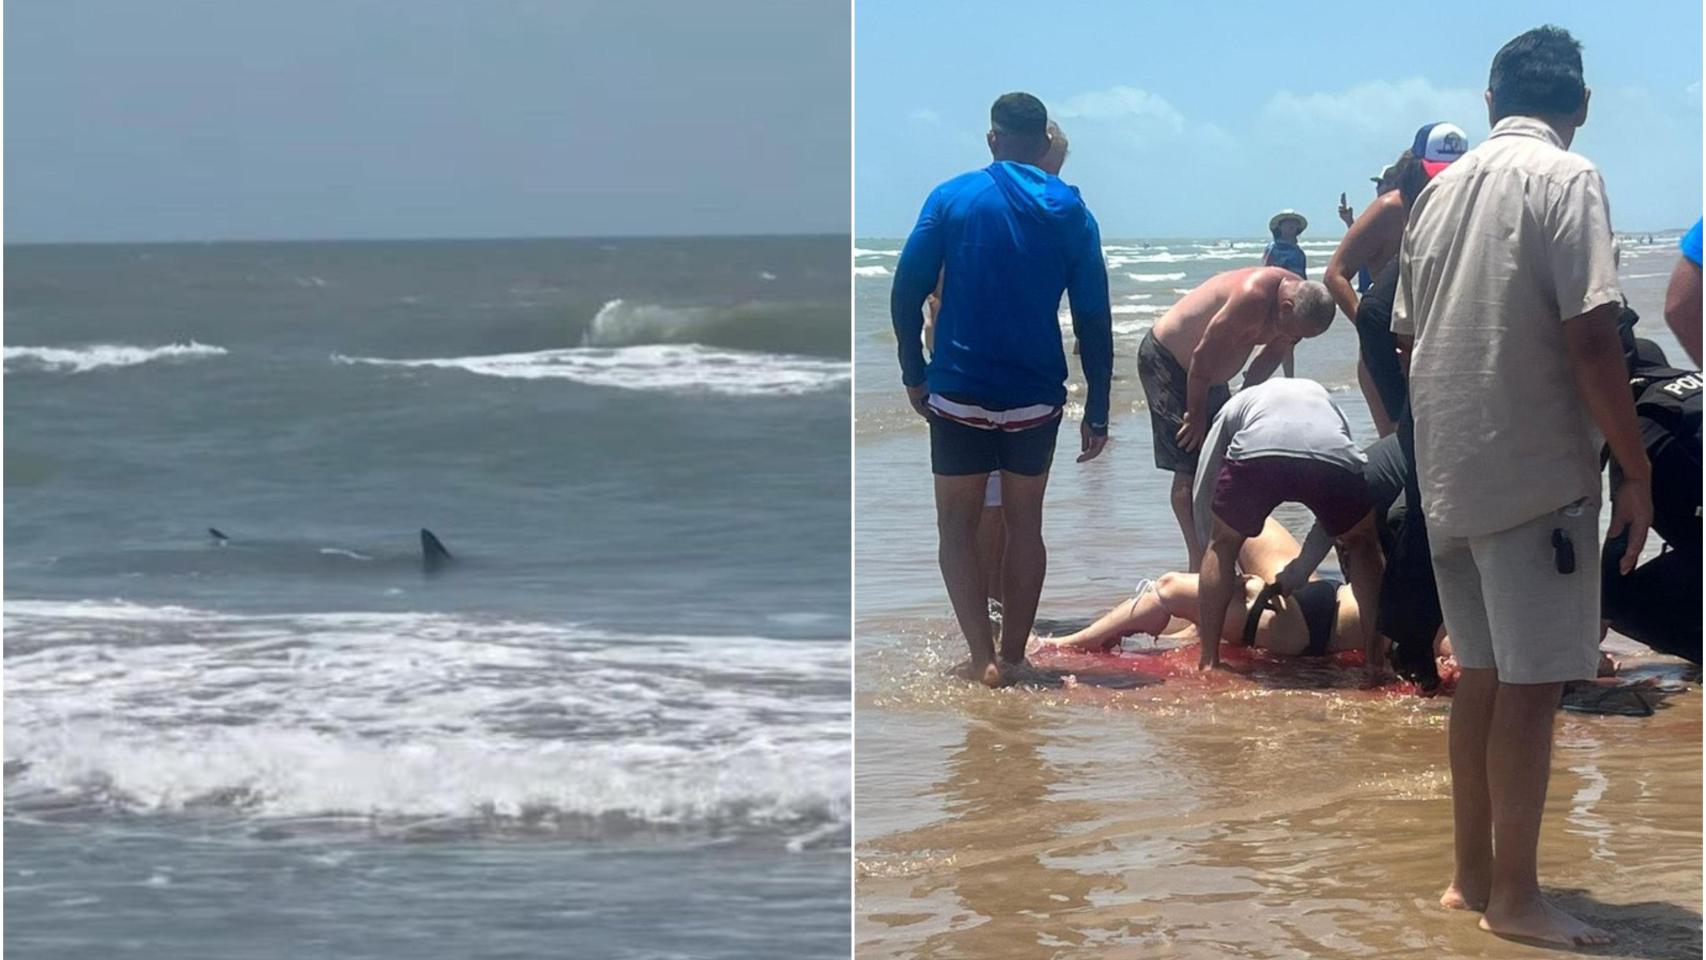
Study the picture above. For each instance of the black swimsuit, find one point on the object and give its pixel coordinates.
(1317, 600)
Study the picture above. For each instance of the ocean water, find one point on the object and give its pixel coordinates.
(1140, 809)
(616, 724)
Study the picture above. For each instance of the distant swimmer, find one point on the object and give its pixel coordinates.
(1186, 359)
(1283, 251)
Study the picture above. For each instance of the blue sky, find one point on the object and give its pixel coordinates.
(1201, 119)
(211, 119)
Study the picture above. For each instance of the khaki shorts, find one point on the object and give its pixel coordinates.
(1508, 608)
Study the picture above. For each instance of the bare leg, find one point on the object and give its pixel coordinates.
(1146, 613)
(991, 549)
(1471, 808)
(1366, 568)
(1186, 515)
(1519, 760)
(959, 504)
(1371, 395)
(1215, 589)
(1026, 560)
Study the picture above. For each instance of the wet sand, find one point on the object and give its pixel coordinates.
(1145, 811)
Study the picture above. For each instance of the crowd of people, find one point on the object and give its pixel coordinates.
(1498, 358)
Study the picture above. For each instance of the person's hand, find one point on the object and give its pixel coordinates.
(1190, 434)
(915, 396)
(1632, 514)
(1345, 213)
(1090, 443)
(1290, 580)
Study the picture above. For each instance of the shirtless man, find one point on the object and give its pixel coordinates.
(1186, 359)
(1371, 244)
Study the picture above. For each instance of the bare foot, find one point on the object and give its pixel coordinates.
(1455, 899)
(1535, 919)
(992, 678)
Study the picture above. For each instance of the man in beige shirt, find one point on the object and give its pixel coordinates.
(1508, 287)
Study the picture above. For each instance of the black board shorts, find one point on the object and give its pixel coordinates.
(958, 450)
(1164, 381)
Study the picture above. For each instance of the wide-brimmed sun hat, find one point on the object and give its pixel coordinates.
(1302, 221)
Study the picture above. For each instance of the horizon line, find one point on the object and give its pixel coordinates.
(481, 238)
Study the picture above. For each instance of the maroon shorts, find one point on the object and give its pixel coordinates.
(1247, 491)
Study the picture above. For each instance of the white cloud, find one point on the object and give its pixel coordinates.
(1124, 104)
(1378, 109)
(927, 116)
(1693, 91)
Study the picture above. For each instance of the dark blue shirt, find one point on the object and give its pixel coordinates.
(1287, 255)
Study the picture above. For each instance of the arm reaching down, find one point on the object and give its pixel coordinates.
(1596, 358)
(1225, 345)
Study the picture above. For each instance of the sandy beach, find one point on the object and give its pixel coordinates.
(1143, 811)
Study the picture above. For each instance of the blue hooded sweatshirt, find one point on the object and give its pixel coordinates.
(1008, 240)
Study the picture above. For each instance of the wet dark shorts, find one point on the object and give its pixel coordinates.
(1164, 382)
(1247, 491)
(957, 450)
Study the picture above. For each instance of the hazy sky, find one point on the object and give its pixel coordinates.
(177, 119)
(1194, 119)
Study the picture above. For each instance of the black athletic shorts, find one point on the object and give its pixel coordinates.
(958, 450)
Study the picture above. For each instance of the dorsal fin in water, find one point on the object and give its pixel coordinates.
(218, 537)
(433, 554)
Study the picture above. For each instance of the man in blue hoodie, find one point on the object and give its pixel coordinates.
(1008, 240)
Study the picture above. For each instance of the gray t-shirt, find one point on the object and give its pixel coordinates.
(1283, 417)
(1289, 417)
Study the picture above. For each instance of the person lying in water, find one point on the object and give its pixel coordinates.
(1317, 619)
